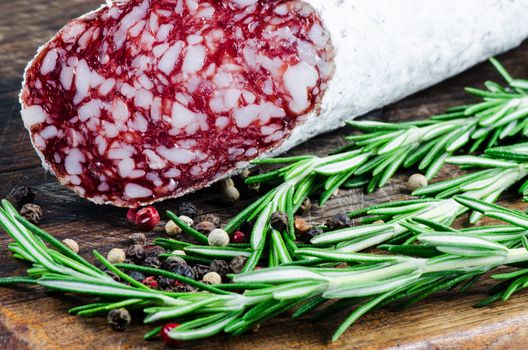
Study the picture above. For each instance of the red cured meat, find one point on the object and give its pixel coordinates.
(145, 100)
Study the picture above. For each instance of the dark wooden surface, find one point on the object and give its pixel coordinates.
(30, 318)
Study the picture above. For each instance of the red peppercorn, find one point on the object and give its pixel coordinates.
(165, 334)
(147, 218)
(239, 237)
(151, 282)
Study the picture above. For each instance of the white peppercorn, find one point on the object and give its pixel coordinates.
(218, 237)
(187, 220)
(116, 256)
(172, 229)
(212, 278)
(416, 181)
(70, 243)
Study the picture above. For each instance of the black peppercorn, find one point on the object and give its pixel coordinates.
(279, 221)
(119, 319)
(200, 271)
(311, 233)
(182, 287)
(152, 261)
(136, 253)
(184, 270)
(138, 238)
(165, 283)
(220, 267)
(237, 264)
(215, 220)
(205, 227)
(173, 262)
(338, 221)
(32, 212)
(21, 195)
(153, 250)
(138, 276)
(187, 209)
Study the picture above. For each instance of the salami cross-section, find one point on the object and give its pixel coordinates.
(143, 100)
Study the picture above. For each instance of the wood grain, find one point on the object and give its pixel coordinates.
(30, 318)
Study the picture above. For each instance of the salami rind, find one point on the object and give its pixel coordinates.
(144, 100)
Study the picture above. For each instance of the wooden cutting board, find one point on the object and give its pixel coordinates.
(30, 318)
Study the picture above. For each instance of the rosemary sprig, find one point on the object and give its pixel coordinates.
(372, 158)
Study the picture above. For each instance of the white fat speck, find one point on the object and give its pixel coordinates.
(154, 160)
(195, 170)
(222, 79)
(251, 152)
(193, 83)
(179, 7)
(66, 77)
(169, 59)
(153, 22)
(176, 155)
(317, 35)
(133, 190)
(91, 109)
(246, 115)
(281, 10)
(110, 129)
(139, 123)
(194, 39)
(172, 173)
(194, 59)
(267, 130)
(49, 132)
(72, 162)
(224, 100)
(39, 142)
(244, 3)
(268, 87)
(101, 143)
(72, 31)
(160, 49)
(192, 5)
(235, 151)
(221, 122)
(120, 111)
(154, 178)
(57, 158)
(96, 79)
(106, 86)
(49, 62)
(297, 80)
(75, 180)
(182, 98)
(33, 115)
(206, 13)
(128, 90)
(145, 82)
(249, 97)
(119, 153)
(103, 187)
(242, 164)
(172, 185)
(163, 32)
(137, 28)
(155, 109)
(143, 98)
(181, 116)
(137, 14)
(82, 80)
(125, 167)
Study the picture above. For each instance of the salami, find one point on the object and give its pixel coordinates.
(144, 100)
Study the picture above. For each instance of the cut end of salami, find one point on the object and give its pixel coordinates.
(145, 100)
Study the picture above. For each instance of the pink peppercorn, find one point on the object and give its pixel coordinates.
(165, 335)
(151, 282)
(147, 218)
(239, 237)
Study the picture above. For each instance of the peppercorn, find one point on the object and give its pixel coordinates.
(136, 253)
(153, 250)
(219, 266)
(152, 261)
(215, 220)
(301, 225)
(138, 238)
(147, 218)
(306, 206)
(338, 221)
(32, 212)
(200, 270)
(378, 222)
(138, 276)
(311, 233)
(21, 195)
(172, 229)
(150, 281)
(229, 194)
(183, 270)
(239, 237)
(237, 264)
(166, 337)
(165, 283)
(416, 181)
(172, 262)
(218, 238)
(279, 221)
(116, 256)
(205, 227)
(212, 278)
(187, 220)
(183, 288)
(187, 209)
(119, 319)
(70, 243)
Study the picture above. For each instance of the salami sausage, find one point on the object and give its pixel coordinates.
(144, 100)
